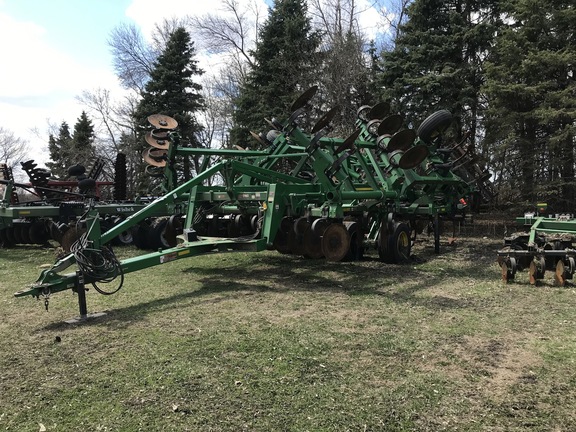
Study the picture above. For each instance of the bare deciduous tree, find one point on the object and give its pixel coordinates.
(393, 14)
(230, 33)
(13, 149)
(132, 56)
(115, 129)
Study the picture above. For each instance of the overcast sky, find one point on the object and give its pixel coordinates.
(55, 49)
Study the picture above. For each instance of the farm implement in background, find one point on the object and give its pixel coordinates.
(305, 193)
(546, 243)
(57, 208)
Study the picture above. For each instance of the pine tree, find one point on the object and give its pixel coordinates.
(67, 150)
(532, 116)
(171, 90)
(286, 64)
(59, 149)
(437, 60)
(83, 140)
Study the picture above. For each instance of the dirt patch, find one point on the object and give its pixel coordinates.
(504, 363)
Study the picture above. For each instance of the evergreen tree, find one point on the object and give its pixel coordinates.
(67, 150)
(437, 60)
(171, 91)
(286, 64)
(83, 140)
(531, 122)
(59, 149)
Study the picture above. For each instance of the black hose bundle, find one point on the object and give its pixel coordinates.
(99, 265)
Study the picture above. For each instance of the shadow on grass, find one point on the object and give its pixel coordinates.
(400, 284)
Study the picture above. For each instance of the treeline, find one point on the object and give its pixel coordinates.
(505, 69)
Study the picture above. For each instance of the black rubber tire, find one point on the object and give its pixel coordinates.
(157, 238)
(140, 235)
(434, 125)
(38, 232)
(395, 247)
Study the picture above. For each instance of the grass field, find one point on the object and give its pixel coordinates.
(269, 342)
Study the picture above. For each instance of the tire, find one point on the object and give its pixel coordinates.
(157, 236)
(140, 235)
(395, 247)
(434, 125)
(125, 238)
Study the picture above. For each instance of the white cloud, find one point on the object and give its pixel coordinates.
(39, 82)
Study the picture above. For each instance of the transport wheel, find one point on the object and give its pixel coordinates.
(312, 245)
(158, 237)
(394, 247)
(125, 238)
(140, 234)
(434, 125)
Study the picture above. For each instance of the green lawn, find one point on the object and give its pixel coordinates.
(270, 342)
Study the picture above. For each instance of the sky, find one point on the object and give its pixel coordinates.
(53, 50)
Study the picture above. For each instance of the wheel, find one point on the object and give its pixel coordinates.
(434, 125)
(140, 234)
(394, 247)
(158, 237)
(298, 239)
